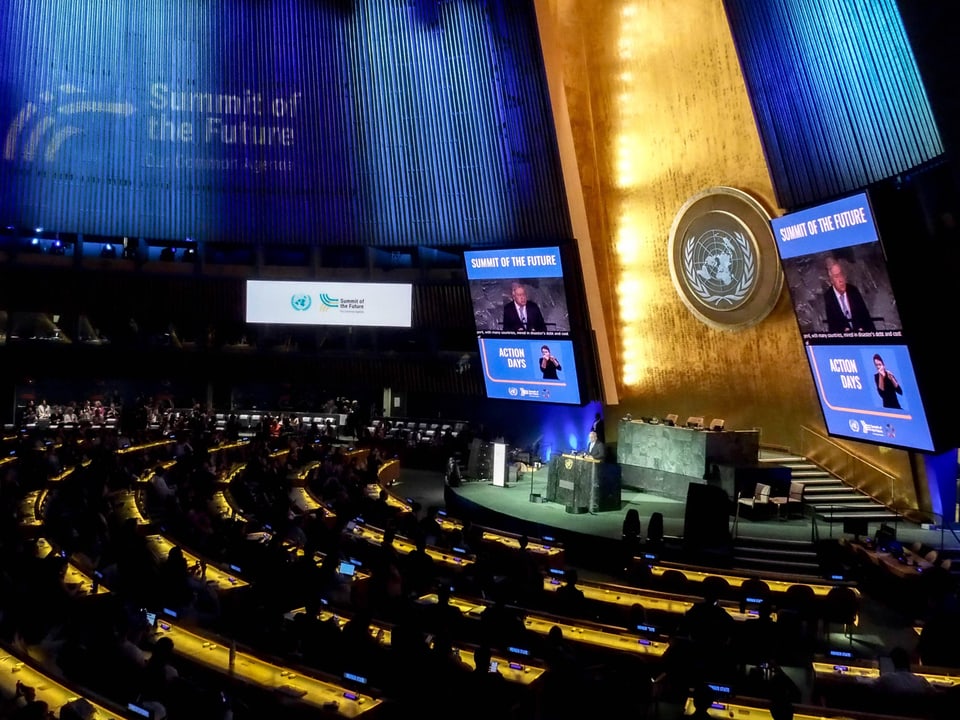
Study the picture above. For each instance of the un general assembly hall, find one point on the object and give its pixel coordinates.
(527, 359)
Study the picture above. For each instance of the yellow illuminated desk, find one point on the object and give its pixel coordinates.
(54, 694)
(374, 536)
(553, 555)
(127, 507)
(307, 689)
(221, 507)
(649, 599)
(372, 491)
(305, 502)
(30, 508)
(215, 577)
(777, 585)
(743, 709)
(522, 673)
(868, 671)
(75, 580)
(359, 575)
(594, 634)
(146, 446)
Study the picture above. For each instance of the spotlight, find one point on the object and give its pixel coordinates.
(109, 251)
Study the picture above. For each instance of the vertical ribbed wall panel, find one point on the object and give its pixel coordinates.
(379, 122)
(836, 92)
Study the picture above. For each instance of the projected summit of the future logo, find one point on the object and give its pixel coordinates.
(40, 129)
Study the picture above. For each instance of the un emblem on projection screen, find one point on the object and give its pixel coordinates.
(723, 259)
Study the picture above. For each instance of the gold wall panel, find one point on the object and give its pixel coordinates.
(658, 112)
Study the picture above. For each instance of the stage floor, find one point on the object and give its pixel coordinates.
(513, 501)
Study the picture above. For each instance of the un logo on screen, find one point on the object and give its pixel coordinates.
(723, 259)
(300, 302)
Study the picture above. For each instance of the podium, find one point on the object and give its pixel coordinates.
(583, 484)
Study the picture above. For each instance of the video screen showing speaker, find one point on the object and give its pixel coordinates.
(523, 325)
(850, 321)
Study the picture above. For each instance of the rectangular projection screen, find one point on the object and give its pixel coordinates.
(533, 361)
(329, 303)
(846, 356)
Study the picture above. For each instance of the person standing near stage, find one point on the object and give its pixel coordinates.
(595, 448)
(597, 427)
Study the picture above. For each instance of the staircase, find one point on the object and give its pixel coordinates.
(771, 555)
(826, 495)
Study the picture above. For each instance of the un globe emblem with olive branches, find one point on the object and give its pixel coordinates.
(301, 302)
(723, 258)
(720, 268)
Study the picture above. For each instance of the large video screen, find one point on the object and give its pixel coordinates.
(846, 309)
(523, 324)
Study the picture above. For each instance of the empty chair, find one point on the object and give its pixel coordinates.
(631, 525)
(631, 536)
(753, 592)
(841, 607)
(758, 505)
(674, 581)
(795, 498)
(715, 586)
(798, 615)
(655, 531)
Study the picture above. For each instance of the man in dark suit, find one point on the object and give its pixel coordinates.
(595, 448)
(520, 314)
(844, 306)
(598, 427)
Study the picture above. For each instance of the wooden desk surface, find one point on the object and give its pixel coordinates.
(649, 599)
(604, 636)
(375, 537)
(160, 546)
(735, 708)
(912, 567)
(29, 506)
(372, 491)
(307, 503)
(775, 584)
(56, 695)
(507, 540)
(867, 671)
(514, 671)
(254, 670)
